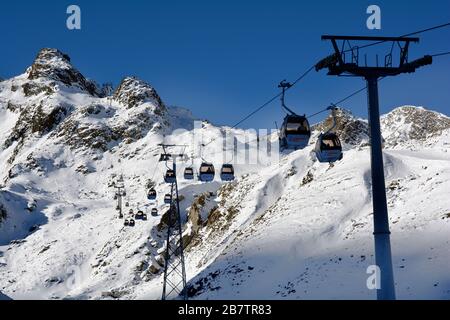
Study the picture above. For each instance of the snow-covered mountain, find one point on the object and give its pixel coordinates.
(285, 230)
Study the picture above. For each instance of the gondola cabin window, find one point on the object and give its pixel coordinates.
(206, 169)
(330, 143)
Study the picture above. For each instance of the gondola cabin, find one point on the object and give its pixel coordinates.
(295, 132)
(151, 194)
(140, 215)
(154, 212)
(170, 176)
(227, 172)
(189, 173)
(206, 172)
(328, 148)
(168, 198)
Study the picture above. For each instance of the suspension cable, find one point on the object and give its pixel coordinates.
(403, 36)
(274, 98)
(440, 54)
(302, 76)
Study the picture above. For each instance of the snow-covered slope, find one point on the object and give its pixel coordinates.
(290, 229)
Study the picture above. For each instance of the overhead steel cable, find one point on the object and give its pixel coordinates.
(426, 30)
(440, 54)
(302, 76)
(353, 94)
(313, 67)
(403, 36)
(274, 98)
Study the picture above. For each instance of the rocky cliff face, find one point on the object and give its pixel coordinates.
(406, 126)
(52, 64)
(351, 130)
(133, 92)
(413, 126)
(53, 98)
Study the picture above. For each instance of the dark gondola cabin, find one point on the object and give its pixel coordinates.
(189, 173)
(151, 194)
(227, 172)
(154, 212)
(170, 176)
(206, 172)
(140, 215)
(295, 132)
(132, 223)
(168, 198)
(328, 148)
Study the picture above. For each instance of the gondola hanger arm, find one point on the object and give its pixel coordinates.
(284, 85)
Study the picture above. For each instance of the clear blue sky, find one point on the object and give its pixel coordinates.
(221, 58)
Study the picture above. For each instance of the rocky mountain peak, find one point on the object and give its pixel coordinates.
(133, 92)
(350, 129)
(410, 123)
(52, 64)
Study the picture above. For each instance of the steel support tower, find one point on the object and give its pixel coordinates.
(119, 198)
(174, 285)
(345, 62)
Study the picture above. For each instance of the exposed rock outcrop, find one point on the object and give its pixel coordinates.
(410, 125)
(52, 64)
(133, 92)
(350, 129)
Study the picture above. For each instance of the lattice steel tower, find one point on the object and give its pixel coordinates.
(174, 285)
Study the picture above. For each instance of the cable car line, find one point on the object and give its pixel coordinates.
(266, 103)
(313, 67)
(440, 54)
(274, 98)
(403, 36)
(426, 30)
(286, 86)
